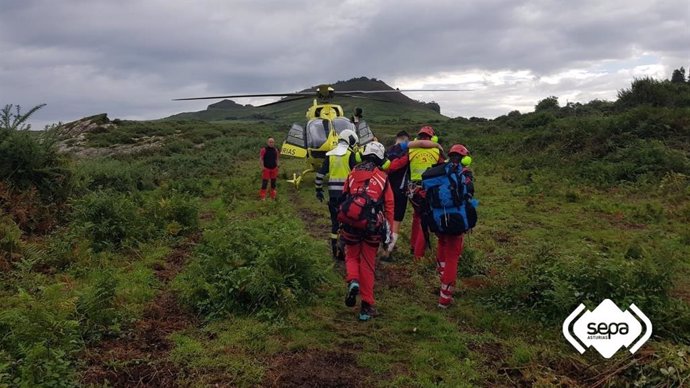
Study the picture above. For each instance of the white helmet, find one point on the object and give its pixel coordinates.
(349, 136)
(375, 148)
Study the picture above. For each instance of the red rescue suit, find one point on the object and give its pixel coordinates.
(269, 159)
(361, 248)
(448, 254)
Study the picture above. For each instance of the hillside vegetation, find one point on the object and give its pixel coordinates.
(159, 266)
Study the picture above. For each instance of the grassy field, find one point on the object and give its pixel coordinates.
(166, 270)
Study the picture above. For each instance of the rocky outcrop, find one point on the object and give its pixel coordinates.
(73, 138)
(79, 128)
(144, 144)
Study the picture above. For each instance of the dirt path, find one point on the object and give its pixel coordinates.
(139, 359)
(316, 368)
(308, 216)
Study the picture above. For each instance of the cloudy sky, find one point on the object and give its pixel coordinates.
(129, 58)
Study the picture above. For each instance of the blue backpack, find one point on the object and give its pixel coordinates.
(450, 208)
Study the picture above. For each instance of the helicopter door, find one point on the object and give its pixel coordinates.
(364, 133)
(341, 123)
(296, 143)
(317, 133)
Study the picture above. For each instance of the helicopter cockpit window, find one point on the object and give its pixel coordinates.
(296, 136)
(364, 133)
(341, 123)
(317, 133)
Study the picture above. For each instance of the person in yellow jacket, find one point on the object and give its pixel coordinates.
(418, 160)
(337, 165)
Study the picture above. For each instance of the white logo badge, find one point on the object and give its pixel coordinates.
(607, 328)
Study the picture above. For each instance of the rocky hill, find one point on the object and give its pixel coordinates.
(386, 107)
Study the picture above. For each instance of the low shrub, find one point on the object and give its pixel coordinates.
(42, 332)
(110, 220)
(251, 266)
(551, 286)
(650, 91)
(176, 214)
(113, 174)
(9, 236)
(95, 307)
(177, 146)
(638, 161)
(31, 213)
(195, 187)
(35, 180)
(40, 336)
(31, 161)
(63, 248)
(537, 119)
(199, 135)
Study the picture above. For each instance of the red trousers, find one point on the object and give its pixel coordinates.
(269, 173)
(417, 240)
(360, 262)
(447, 257)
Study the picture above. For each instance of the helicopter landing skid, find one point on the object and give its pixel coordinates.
(297, 178)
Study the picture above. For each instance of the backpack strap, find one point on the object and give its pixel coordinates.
(458, 196)
(382, 198)
(364, 189)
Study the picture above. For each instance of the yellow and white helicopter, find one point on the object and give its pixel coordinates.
(324, 122)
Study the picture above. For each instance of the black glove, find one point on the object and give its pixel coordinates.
(319, 195)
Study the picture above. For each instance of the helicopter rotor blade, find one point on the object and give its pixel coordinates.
(312, 94)
(364, 97)
(286, 100)
(399, 91)
(246, 95)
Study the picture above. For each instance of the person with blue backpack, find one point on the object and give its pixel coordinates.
(450, 212)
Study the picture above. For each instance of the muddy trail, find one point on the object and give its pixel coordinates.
(139, 358)
(308, 215)
(316, 368)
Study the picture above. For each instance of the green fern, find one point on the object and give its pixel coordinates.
(16, 121)
(96, 306)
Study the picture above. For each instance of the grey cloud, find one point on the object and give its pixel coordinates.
(130, 57)
(541, 36)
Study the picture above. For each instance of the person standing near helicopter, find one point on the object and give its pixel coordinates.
(356, 118)
(337, 165)
(268, 159)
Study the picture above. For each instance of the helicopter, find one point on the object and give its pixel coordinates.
(325, 121)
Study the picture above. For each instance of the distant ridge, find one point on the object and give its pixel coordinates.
(387, 107)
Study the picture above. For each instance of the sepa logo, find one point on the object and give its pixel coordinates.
(607, 328)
